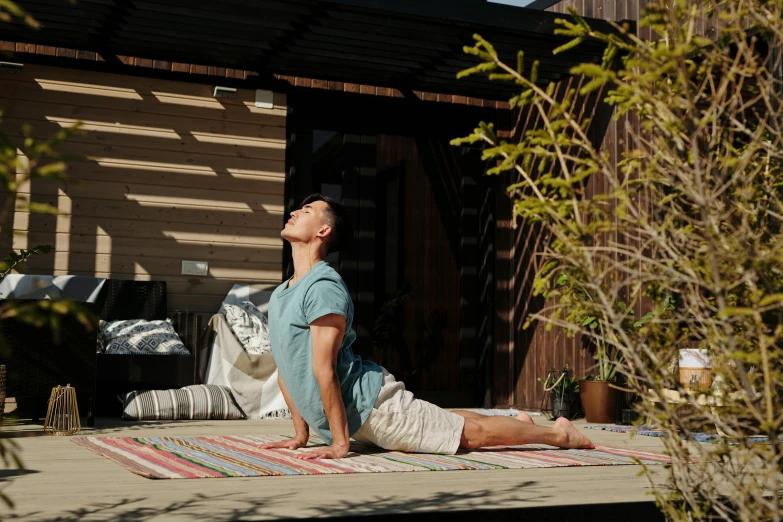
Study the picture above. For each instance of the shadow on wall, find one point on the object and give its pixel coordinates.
(535, 350)
(170, 174)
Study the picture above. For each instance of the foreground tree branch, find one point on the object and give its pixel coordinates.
(692, 219)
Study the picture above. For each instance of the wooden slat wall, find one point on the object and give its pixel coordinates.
(357, 160)
(523, 355)
(532, 353)
(431, 267)
(168, 172)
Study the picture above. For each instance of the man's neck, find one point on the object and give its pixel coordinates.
(305, 257)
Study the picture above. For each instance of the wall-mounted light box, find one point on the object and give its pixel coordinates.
(195, 268)
(264, 99)
(224, 92)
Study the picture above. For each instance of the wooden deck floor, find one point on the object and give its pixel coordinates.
(67, 483)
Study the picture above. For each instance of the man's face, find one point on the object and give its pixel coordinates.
(307, 223)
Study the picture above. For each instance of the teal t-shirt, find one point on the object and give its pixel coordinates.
(291, 310)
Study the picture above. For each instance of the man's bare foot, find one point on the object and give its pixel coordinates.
(573, 439)
(524, 417)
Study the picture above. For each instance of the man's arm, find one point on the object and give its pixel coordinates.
(327, 336)
(301, 429)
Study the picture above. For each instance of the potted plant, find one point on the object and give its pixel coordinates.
(598, 390)
(563, 393)
(595, 389)
(597, 399)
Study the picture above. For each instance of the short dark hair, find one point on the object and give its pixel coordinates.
(337, 218)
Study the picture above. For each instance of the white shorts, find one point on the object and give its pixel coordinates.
(400, 422)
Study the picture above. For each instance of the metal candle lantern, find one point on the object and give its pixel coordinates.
(560, 403)
(62, 416)
(546, 402)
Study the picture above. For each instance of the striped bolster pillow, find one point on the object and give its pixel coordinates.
(197, 402)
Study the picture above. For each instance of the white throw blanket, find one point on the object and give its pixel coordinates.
(252, 379)
(250, 326)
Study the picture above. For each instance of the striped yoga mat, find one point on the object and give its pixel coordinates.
(217, 457)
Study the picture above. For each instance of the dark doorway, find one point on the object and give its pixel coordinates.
(414, 265)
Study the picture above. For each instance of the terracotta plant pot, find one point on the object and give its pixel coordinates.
(597, 401)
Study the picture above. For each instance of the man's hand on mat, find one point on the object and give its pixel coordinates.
(292, 444)
(329, 452)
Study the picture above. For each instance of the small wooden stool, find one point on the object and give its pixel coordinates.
(714, 402)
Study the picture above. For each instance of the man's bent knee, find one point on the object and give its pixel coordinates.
(473, 434)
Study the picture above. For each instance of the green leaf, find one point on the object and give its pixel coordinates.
(569, 45)
(534, 72)
(52, 170)
(42, 208)
(482, 67)
(502, 76)
(644, 320)
(738, 310)
(771, 299)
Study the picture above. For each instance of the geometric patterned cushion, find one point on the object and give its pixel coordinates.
(197, 402)
(137, 336)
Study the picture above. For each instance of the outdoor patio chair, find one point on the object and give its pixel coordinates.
(120, 373)
(37, 361)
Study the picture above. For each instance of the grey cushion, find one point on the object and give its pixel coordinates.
(49, 292)
(197, 402)
(32, 286)
(21, 286)
(82, 289)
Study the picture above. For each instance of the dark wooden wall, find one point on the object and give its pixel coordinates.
(430, 266)
(523, 355)
(440, 258)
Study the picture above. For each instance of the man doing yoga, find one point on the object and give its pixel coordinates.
(340, 395)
